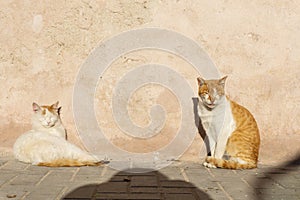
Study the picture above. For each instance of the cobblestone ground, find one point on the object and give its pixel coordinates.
(181, 180)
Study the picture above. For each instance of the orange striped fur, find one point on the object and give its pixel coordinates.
(243, 143)
(69, 163)
(242, 146)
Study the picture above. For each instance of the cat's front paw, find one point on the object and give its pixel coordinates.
(209, 165)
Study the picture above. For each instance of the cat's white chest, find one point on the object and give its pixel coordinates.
(218, 124)
(59, 132)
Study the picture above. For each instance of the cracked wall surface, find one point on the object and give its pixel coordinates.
(257, 43)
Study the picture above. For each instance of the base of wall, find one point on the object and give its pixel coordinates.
(274, 150)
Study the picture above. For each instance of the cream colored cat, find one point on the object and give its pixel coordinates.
(231, 129)
(46, 144)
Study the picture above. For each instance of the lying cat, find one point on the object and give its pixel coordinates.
(231, 129)
(46, 144)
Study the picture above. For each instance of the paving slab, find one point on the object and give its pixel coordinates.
(181, 180)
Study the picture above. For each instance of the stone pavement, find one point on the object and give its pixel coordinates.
(181, 180)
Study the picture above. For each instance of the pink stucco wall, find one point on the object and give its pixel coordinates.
(257, 43)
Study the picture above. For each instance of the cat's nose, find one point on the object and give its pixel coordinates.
(211, 99)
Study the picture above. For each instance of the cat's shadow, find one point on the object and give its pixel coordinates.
(199, 126)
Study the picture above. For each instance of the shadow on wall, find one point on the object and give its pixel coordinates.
(265, 190)
(199, 126)
(150, 185)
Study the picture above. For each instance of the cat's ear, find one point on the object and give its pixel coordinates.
(222, 80)
(55, 105)
(201, 81)
(35, 107)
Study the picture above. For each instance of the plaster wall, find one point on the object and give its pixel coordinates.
(256, 43)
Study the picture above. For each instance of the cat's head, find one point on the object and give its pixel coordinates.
(46, 116)
(211, 92)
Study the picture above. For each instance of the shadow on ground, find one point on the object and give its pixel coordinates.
(150, 185)
(286, 179)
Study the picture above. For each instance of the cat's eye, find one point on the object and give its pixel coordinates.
(202, 93)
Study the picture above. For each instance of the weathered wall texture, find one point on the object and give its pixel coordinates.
(257, 43)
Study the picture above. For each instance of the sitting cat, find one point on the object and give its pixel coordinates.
(231, 129)
(46, 144)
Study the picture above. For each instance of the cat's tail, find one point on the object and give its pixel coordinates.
(70, 163)
(228, 164)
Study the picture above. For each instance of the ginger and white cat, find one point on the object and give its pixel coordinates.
(231, 129)
(46, 144)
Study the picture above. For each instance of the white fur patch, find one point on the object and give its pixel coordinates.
(209, 165)
(36, 146)
(218, 124)
(239, 160)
